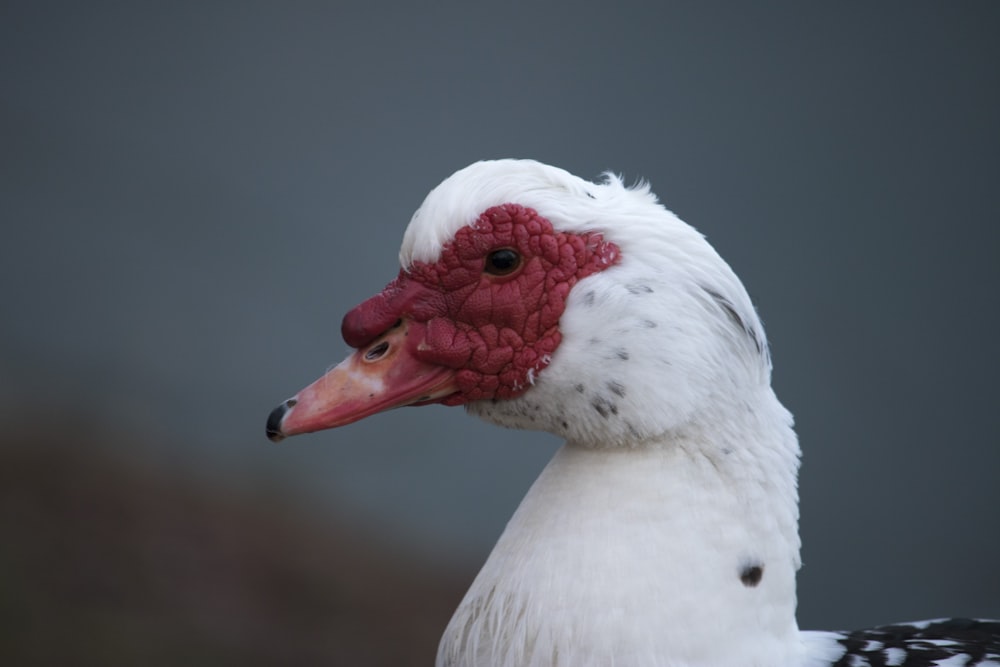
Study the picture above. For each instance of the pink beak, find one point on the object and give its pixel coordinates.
(383, 375)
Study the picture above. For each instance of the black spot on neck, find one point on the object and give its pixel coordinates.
(751, 575)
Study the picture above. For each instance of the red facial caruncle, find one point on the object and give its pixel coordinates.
(478, 323)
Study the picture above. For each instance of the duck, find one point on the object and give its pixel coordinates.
(664, 531)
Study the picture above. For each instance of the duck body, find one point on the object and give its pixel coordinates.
(665, 530)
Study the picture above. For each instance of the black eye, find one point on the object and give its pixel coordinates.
(503, 261)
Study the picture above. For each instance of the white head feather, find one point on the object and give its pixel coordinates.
(670, 326)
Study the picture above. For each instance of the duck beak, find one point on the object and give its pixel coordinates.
(383, 375)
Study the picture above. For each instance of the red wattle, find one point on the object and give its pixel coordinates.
(495, 331)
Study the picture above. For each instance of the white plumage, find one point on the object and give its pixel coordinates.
(664, 532)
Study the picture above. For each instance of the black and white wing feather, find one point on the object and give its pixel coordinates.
(953, 642)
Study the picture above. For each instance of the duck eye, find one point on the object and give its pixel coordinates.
(503, 261)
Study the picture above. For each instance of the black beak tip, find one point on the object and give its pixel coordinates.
(274, 433)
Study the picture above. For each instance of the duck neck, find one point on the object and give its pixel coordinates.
(680, 550)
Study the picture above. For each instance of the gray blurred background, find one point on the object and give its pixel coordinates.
(193, 194)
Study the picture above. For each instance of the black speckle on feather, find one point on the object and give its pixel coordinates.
(604, 407)
(734, 316)
(617, 388)
(751, 575)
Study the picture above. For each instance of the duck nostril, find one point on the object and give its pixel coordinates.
(377, 352)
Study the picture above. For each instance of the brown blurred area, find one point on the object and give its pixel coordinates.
(110, 561)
